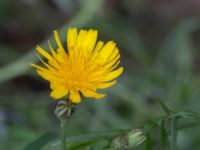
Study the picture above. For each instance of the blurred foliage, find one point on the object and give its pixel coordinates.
(159, 43)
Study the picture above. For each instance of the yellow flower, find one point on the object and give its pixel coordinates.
(85, 68)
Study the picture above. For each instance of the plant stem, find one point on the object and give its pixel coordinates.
(63, 135)
(163, 106)
(173, 133)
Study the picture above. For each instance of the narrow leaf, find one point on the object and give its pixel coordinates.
(164, 135)
(41, 141)
(173, 133)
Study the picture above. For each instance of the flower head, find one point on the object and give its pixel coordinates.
(87, 66)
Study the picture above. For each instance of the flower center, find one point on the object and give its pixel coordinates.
(77, 72)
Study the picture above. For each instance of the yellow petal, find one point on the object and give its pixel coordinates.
(53, 85)
(59, 93)
(98, 46)
(112, 75)
(71, 37)
(114, 54)
(52, 50)
(38, 67)
(90, 41)
(47, 65)
(51, 68)
(44, 53)
(114, 63)
(80, 39)
(99, 96)
(46, 75)
(89, 93)
(106, 85)
(96, 51)
(55, 61)
(114, 66)
(98, 74)
(58, 41)
(60, 58)
(75, 96)
(106, 51)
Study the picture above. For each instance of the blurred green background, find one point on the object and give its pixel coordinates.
(159, 41)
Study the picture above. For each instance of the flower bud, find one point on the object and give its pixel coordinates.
(135, 137)
(64, 110)
(119, 142)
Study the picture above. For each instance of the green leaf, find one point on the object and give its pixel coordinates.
(41, 141)
(164, 135)
(174, 131)
(187, 114)
(80, 141)
(80, 145)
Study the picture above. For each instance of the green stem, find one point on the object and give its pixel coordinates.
(164, 107)
(63, 135)
(173, 133)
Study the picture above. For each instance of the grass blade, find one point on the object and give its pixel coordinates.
(41, 141)
(173, 133)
